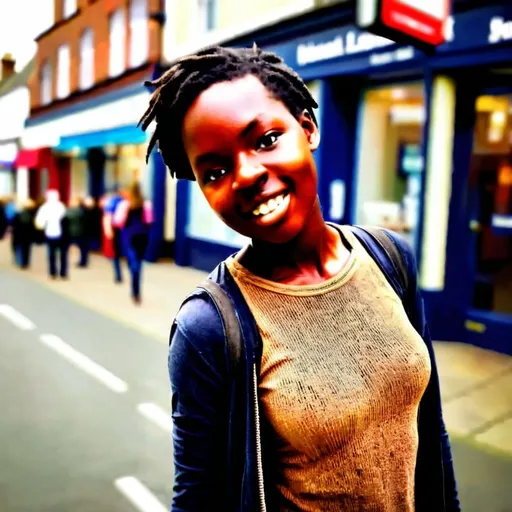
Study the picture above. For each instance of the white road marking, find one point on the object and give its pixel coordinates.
(157, 415)
(84, 363)
(139, 495)
(16, 318)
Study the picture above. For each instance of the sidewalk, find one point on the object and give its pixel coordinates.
(476, 384)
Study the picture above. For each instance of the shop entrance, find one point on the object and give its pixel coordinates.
(490, 215)
(390, 158)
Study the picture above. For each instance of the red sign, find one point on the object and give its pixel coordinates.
(424, 20)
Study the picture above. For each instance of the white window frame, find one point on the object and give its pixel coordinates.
(87, 59)
(46, 83)
(139, 32)
(117, 43)
(206, 16)
(69, 7)
(63, 71)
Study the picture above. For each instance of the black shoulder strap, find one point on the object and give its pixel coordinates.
(229, 319)
(388, 247)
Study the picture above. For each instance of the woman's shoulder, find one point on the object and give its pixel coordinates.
(198, 324)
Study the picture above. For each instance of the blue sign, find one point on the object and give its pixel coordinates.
(347, 49)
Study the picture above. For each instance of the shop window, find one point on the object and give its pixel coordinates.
(206, 14)
(46, 83)
(117, 39)
(69, 8)
(63, 71)
(490, 205)
(138, 32)
(390, 160)
(87, 59)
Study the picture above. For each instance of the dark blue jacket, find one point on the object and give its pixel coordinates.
(215, 448)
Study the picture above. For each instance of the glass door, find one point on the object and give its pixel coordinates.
(490, 199)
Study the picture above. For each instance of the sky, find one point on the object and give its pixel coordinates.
(20, 22)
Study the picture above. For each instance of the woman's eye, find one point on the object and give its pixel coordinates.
(268, 140)
(214, 175)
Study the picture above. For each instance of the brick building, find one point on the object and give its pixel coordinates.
(86, 96)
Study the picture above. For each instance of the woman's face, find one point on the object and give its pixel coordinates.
(252, 159)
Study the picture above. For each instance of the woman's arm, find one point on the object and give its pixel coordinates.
(435, 463)
(120, 214)
(200, 408)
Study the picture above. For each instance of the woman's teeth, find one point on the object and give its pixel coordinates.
(269, 206)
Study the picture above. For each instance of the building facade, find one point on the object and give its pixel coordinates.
(14, 111)
(87, 95)
(420, 143)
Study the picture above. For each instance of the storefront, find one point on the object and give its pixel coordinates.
(14, 110)
(105, 150)
(401, 139)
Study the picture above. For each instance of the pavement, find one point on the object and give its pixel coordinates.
(85, 446)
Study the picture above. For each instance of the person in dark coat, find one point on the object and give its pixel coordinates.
(77, 226)
(23, 233)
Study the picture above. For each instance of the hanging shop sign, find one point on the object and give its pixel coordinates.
(409, 21)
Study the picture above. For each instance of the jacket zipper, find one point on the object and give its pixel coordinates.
(259, 463)
(442, 476)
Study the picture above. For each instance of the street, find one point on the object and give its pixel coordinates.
(85, 400)
(67, 436)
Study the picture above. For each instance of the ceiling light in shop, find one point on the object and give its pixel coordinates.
(407, 114)
(398, 93)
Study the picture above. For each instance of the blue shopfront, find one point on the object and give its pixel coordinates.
(419, 143)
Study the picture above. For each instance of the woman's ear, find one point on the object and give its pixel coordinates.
(310, 129)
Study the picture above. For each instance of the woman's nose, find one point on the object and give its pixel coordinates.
(248, 173)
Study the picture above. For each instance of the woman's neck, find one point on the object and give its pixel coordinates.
(315, 255)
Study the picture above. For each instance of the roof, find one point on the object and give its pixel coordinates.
(17, 79)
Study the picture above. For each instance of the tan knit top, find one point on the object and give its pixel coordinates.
(342, 375)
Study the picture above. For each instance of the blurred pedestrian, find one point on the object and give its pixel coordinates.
(3, 219)
(133, 217)
(76, 219)
(113, 233)
(10, 208)
(319, 391)
(91, 215)
(23, 232)
(51, 218)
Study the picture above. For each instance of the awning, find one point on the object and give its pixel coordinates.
(34, 158)
(97, 121)
(121, 135)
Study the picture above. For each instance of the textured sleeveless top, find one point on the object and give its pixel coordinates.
(342, 375)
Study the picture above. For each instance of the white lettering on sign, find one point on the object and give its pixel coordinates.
(364, 42)
(311, 52)
(353, 43)
(500, 30)
(399, 55)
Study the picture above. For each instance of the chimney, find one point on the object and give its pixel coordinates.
(7, 66)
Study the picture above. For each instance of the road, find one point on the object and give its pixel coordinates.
(70, 430)
(85, 407)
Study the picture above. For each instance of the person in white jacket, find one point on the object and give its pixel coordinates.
(51, 219)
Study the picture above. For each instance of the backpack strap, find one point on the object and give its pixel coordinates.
(387, 253)
(229, 319)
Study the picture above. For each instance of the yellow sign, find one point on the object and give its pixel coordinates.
(478, 327)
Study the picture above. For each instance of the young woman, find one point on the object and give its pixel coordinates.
(340, 368)
(133, 217)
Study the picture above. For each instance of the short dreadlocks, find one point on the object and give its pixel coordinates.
(189, 76)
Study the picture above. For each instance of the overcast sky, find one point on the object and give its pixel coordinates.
(20, 22)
